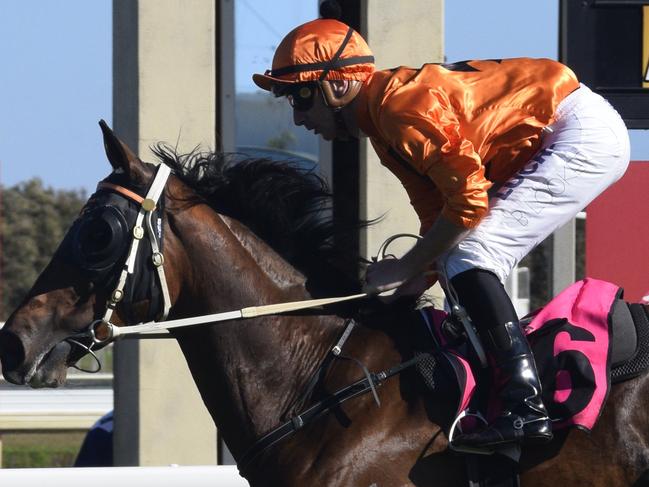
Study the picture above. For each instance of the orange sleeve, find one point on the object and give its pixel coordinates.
(428, 207)
(424, 196)
(424, 131)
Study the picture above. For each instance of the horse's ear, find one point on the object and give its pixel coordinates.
(118, 153)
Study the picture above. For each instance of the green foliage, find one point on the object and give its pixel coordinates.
(34, 221)
(580, 249)
(284, 141)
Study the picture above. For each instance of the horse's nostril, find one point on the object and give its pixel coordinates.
(12, 352)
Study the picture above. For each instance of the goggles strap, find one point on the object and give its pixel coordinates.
(340, 50)
(326, 66)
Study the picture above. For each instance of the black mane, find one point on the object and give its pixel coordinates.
(287, 206)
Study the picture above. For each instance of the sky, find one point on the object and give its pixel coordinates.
(55, 80)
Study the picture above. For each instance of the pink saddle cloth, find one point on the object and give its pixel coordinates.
(570, 338)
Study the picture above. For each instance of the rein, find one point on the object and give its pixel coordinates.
(102, 331)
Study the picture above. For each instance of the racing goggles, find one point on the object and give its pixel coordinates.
(299, 95)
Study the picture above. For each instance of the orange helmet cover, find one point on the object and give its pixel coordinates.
(323, 49)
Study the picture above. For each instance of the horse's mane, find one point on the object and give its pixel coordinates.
(287, 206)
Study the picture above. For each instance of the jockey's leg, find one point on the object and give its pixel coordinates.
(583, 152)
(524, 417)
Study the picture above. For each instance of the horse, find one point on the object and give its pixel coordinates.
(244, 233)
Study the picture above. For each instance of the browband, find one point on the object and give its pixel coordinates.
(121, 190)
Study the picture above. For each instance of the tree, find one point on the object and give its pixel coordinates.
(284, 141)
(34, 221)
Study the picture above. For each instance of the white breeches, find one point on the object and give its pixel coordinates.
(581, 154)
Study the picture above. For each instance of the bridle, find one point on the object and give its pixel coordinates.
(102, 331)
(146, 227)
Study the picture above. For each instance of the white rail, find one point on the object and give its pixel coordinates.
(203, 476)
(67, 408)
(76, 406)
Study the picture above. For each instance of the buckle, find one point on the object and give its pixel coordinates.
(101, 336)
(518, 423)
(298, 422)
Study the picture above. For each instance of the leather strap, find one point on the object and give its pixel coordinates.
(297, 422)
(121, 190)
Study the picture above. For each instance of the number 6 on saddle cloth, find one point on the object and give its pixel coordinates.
(583, 340)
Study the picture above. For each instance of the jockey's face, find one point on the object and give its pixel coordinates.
(318, 117)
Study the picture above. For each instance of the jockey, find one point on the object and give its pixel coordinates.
(495, 155)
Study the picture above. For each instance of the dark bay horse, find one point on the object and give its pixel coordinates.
(235, 235)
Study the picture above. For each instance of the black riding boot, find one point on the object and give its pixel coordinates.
(524, 418)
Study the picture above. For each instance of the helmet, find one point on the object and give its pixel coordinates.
(323, 49)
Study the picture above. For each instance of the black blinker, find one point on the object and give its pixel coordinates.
(97, 241)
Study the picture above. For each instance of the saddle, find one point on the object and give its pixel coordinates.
(584, 340)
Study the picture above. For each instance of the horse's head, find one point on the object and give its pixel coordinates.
(42, 338)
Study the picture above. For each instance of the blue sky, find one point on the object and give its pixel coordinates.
(56, 78)
(54, 87)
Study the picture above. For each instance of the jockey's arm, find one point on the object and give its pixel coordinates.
(440, 238)
(433, 146)
(392, 273)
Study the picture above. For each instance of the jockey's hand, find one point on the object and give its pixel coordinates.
(414, 287)
(393, 280)
(384, 275)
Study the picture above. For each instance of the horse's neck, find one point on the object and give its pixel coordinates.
(249, 372)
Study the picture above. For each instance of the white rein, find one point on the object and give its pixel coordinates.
(112, 332)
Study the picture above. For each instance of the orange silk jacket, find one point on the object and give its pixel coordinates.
(449, 132)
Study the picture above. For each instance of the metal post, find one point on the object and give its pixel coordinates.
(411, 35)
(563, 257)
(225, 96)
(165, 83)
